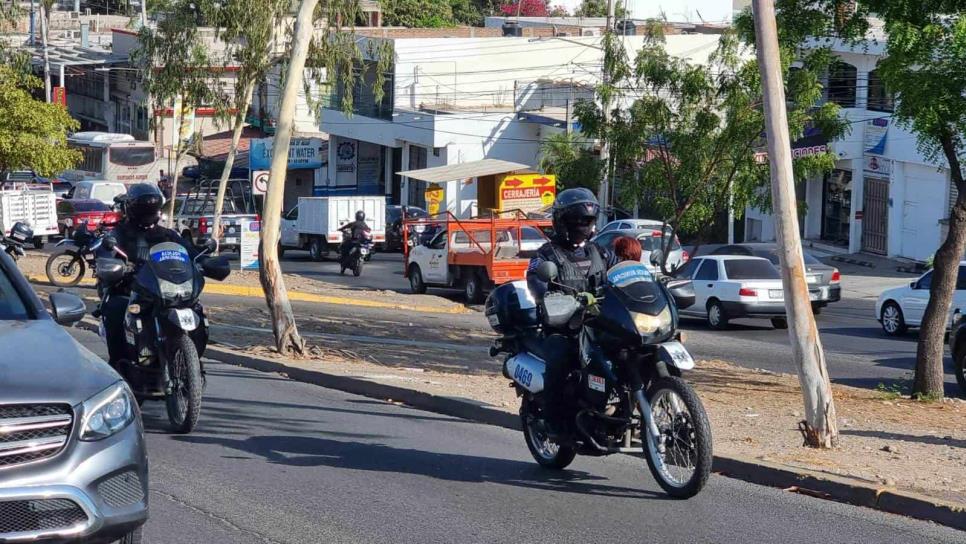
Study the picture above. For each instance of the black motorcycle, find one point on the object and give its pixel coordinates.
(12, 245)
(628, 382)
(353, 256)
(67, 266)
(165, 324)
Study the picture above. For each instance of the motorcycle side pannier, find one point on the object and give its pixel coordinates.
(510, 308)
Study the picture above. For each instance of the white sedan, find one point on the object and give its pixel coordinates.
(902, 307)
(731, 286)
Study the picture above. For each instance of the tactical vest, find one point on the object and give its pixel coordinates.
(569, 274)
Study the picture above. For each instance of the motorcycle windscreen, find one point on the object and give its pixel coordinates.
(170, 264)
(637, 283)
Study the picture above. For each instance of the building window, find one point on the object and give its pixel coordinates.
(841, 84)
(879, 98)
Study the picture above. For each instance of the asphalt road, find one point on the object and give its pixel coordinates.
(278, 461)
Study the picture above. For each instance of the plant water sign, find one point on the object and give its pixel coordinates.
(248, 255)
(303, 153)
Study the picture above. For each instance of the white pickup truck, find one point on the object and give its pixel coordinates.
(36, 206)
(313, 224)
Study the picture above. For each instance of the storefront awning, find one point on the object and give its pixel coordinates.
(474, 169)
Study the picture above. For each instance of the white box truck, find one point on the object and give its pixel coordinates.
(313, 224)
(36, 207)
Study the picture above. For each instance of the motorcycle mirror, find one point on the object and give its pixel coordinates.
(656, 257)
(547, 271)
(683, 293)
(211, 245)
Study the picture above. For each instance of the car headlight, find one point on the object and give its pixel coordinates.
(107, 412)
(648, 324)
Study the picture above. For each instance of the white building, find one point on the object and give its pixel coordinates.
(884, 196)
(451, 100)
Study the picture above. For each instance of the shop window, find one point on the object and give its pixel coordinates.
(879, 98)
(841, 84)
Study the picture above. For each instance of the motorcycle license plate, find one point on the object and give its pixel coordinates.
(187, 319)
(676, 354)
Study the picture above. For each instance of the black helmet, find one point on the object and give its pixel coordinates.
(360, 215)
(143, 204)
(575, 215)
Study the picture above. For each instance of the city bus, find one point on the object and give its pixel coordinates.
(112, 157)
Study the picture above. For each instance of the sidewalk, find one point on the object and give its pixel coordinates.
(893, 454)
(867, 276)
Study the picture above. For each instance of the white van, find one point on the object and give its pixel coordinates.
(105, 191)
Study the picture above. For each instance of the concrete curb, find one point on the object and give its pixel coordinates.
(755, 471)
(850, 260)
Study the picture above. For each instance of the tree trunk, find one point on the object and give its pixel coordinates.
(287, 338)
(929, 379)
(179, 154)
(819, 428)
(230, 161)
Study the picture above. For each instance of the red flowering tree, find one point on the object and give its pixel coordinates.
(529, 8)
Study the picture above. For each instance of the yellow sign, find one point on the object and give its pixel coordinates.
(526, 192)
(435, 194)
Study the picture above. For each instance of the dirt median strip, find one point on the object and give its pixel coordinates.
(414, 387)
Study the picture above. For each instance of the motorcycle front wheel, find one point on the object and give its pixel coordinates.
(184, 371)
(65, 268)
(684, 466)
(357, 267)
(536, 433)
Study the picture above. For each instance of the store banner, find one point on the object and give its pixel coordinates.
(526, 192)
(875, 135)
(346, 152)
(308, 153)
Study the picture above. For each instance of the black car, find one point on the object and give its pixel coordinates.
(957, 346)
(824, 284)
(394, 219)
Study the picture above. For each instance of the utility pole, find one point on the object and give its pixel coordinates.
(820, 429)
(33, 19)
(43, 39)
(144, 13)
(603, 191)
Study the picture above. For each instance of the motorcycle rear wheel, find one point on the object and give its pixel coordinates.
(545, 452)
(184, 369)
(684, 467)
(65, 268)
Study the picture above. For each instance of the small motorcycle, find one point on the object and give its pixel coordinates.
(12, 245)
(165, 325)
(67, 266)
(358, 253)
(626, 395)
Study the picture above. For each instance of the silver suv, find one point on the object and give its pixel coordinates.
(73, 465)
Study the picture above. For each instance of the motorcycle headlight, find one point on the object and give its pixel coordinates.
(107, 412)
(648, 324)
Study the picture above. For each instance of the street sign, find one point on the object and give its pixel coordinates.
(260, 182)
(248, 255)
(526, 192)
(60, 96)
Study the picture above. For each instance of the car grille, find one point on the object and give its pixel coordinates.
(121, 490)
(32, 432)
(39, 515)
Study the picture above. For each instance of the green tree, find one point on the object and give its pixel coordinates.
(568, 158)
(175, 66)
(685, 145)
(925, 55)
(467, 12)
(598, 8)
(33, 133)
(419, 13)
(248, 28)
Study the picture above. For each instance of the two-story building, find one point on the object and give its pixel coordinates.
(884, 196)
(454, 96)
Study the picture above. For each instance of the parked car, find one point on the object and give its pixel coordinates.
(633, 224)
(901, 308)
(650, 239)
(394, 219)
(957, 346)
(72, 451)
(105, 191)
(729, 287)
(824, 281)
(73, 212)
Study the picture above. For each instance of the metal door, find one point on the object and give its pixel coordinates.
(875, 219)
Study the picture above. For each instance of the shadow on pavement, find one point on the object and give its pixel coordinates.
(306, 451)
(927, 439)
